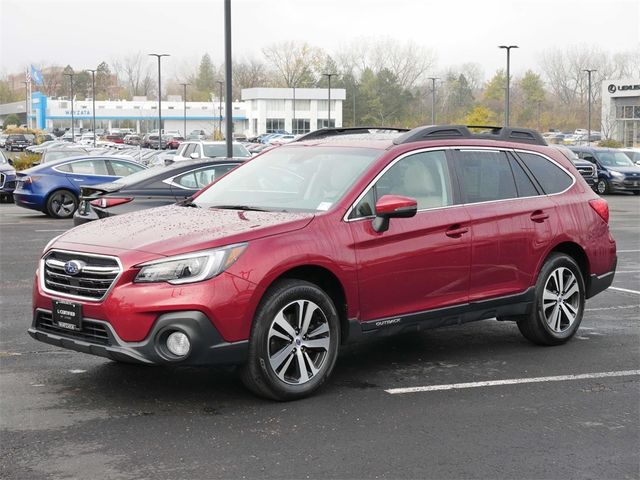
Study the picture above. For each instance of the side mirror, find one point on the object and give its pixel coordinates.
(10, 160)
(195, 155)
(393, 206)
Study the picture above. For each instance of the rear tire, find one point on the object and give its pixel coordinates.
(61, 204)
(558, 305)
(294, 341)
(603, 187)
(636, 192)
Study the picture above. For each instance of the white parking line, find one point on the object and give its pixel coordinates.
(620, 307)
(627, 251)
(624, 290)
(58, 230)
(512, 381)
(628, 271)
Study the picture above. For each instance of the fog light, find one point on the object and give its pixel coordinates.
(178, 344)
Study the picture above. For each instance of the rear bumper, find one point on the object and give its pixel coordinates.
(207, 345)
(34, 202)
(599, 283)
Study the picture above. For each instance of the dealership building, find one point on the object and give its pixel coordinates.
(262, 110)
(621, 111)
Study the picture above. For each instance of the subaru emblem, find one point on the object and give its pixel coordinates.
(73, 267)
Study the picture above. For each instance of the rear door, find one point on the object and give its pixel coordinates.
(86, 172)
(510, 221)
(419, 263)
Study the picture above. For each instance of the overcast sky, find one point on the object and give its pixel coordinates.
(84, 32)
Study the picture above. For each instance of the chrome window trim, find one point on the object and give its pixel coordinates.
(71, 162)
(346, 218)
(169, 181)
(54, 293)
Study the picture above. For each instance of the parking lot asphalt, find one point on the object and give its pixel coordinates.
(571, 411)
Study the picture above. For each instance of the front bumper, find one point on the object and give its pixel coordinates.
(99, 338)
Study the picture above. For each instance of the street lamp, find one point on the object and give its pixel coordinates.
(329, 75)
(73, 132)
(506, 96)
(433, 99)
(93, 100)
(26, 103)
(159, 57)
(184, 99)
(589, 72)
(221, 83)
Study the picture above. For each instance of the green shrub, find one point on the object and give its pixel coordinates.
(610, 143)
(25, 160)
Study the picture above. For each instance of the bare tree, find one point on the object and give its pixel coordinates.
(134, 73)
(296, 63)
(249, 73)
(408, 62)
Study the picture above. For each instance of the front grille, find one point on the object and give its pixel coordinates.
(92, 332)
(93, 281)
(10, 184)
(587, 171)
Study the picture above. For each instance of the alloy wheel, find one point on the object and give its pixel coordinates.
(298, 342)
(63, 204)
(561, 299)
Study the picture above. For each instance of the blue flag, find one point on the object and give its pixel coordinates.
(36, 76)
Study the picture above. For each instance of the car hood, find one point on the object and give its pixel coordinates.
(174, 229)
(626, 170)
(7, 169)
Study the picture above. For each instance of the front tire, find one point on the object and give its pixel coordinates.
(559, 302)
(61, 204)
(603, 187)
(294, 341)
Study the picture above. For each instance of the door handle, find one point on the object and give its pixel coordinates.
(456, 231)
(539, 216)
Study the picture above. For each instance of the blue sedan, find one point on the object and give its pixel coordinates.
(54, 187)
(7, 179)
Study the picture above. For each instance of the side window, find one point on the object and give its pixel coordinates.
(485, 176)
(423, 176)
(551, 178)
(524, 184)
(90, 167)
(189, 150)
(122, 169)
(66, 168)
(188, 180)
(181, 149)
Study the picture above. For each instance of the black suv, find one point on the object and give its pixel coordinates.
(588, 170)
(16, 142)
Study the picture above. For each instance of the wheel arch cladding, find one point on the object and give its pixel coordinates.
(330, 284)
(576, 252)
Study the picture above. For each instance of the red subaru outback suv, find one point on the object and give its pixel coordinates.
(342, 236)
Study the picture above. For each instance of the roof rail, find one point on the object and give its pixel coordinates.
(489, 132)
(333, 132)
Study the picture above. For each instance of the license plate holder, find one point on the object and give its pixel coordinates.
(67, 315)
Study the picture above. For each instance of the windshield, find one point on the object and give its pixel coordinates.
(614, 159)
(51, 156)
(220, 150)
(291, 179)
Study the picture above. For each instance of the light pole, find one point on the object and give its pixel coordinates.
(589, 72)
(228, 66)
(433, 99)
(221, 83)
(329, 75)
(184, 99)
(506, 96)
(293, 123)
(159, 57)
(93, 100)
(73, 131)
(26, 103)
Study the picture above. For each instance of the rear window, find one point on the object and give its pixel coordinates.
(551, 177)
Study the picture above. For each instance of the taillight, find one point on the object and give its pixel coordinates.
(109, 202)
(601, 207)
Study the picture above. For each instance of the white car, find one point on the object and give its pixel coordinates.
(208, 149)
(633, 154)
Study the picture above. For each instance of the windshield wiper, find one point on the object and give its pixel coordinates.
(188, 203)
(239, 207)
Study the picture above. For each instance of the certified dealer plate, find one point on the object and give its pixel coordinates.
(67, 314)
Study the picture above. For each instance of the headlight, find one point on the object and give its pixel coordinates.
(193, 267)
(615, 174)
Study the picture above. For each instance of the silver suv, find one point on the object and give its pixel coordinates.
(208, 149)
